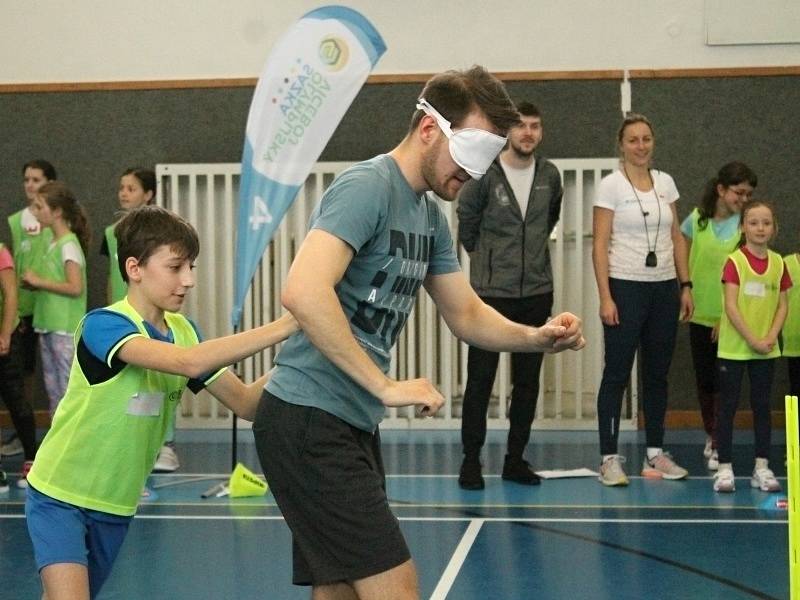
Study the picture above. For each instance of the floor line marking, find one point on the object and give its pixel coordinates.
(457, 560)
(467, 519)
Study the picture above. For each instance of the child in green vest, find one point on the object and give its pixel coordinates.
(29, 240)
(60, 283)
(11, 388)
(791, 328)
(712, 233)
(755, 282)
(133, 361)
(137, 187)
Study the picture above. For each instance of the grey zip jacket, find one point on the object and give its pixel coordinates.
(509, 255)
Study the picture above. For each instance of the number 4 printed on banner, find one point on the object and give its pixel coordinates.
(261, 215)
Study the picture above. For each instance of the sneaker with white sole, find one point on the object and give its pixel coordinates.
(11, 447)
(662, 467)
(764, 480)
(713, 461)
(3, 482)
(707, 450)
(611, 472)
(167, 460)
(724, 481)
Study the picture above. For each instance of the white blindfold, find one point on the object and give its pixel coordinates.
(472, 149)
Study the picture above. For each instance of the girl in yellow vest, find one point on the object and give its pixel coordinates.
(712, 233)
(755, 282)
(791, 327)
(134, 360)
(60, 283)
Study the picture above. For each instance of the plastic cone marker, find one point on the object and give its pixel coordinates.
(244, 482)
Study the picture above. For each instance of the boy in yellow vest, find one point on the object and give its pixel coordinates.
(132, 362)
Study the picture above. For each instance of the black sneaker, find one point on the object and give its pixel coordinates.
(3, 482)
(470, 477)
(519, 471)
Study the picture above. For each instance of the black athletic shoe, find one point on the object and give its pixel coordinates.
(519, 471)
(470, 477)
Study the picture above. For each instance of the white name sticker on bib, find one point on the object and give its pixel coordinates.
(145, 404)
(755, 288)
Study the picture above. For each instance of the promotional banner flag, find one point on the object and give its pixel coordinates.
(310, 78)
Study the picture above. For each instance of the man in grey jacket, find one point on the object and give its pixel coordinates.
(504, 222)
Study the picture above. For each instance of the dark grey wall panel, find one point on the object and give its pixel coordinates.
(91, 137)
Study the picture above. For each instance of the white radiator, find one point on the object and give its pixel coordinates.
(207, 195)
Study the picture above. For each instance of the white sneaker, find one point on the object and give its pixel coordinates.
(713, 461)
(724, 481)
(764, 480)
(662, 467)
(611, 472)
(167, 460)
(11, 447)
(707, 449)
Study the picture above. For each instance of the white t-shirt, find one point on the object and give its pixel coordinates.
(629, 246)
(521, 181)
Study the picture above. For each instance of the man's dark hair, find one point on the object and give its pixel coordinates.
(142, 231)
(455, 94)
(528, 109)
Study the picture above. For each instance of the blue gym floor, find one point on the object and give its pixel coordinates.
(568, 538)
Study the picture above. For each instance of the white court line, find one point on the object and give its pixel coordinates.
(467, 519)
(457, 560)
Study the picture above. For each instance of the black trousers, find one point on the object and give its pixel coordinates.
(704, 359)
(525, 366)
(648, 320)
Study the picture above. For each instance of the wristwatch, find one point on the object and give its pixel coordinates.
(686, 284)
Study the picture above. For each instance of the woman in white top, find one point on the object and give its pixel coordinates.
(637, 250)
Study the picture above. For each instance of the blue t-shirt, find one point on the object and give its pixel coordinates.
(398, 237)
(103, 330)
(723, 230)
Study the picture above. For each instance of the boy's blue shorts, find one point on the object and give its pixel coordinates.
(65, 533)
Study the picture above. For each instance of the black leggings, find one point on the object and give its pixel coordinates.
(648, 320)
(730, 378)
(12, 394)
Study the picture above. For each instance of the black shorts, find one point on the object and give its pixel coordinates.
(28, 340)
(328, 480)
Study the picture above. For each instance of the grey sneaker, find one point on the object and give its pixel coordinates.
(611, 472)
(764, 480)
(3, 482)
(11, 447)
(724, 481)
(662, 467)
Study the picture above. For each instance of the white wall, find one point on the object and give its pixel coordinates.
(120, 40)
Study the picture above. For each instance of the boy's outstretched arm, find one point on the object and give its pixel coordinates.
(207, 356)
(240, 397)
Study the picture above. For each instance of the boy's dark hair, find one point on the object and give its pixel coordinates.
(455, 94)
(528, 109)
(142, 231)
